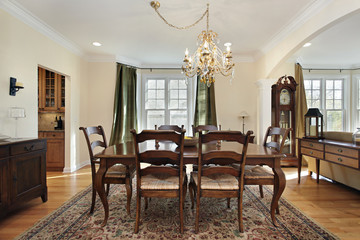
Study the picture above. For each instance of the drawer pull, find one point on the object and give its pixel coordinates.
(311, 145)
(311, 152)
(54, 135)
(29, 149)
(340, 159)
(340, 150)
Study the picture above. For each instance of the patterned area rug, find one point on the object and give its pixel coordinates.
(161, 221)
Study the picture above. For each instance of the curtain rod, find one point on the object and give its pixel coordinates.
(332, 69)
(150, 68)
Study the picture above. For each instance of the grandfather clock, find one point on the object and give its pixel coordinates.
(283, 114)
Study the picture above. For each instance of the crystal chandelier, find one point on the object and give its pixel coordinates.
(208, 59)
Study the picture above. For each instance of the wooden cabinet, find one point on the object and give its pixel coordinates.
(55, 155)
(23, 173)
(342, 153)
(51, 91)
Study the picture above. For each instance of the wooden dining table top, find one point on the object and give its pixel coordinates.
(126, 150)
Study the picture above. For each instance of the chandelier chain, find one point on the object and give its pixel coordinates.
(189, 26)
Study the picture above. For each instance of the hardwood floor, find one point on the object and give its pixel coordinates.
(334, 206)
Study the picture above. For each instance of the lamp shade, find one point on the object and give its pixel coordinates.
(243, 114)
(16, 112)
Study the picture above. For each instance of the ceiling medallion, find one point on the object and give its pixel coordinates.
(208, 59)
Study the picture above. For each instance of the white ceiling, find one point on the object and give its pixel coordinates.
(337, 47)
(131, 31)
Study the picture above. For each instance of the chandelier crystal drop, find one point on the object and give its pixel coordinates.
(208, 59)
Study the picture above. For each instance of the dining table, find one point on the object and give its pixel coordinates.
(124, 153)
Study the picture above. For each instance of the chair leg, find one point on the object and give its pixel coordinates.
(181, 212)
(128, 193)
(197, 213)
(191, 195)
(107, 189)
(93, 197)
(228, 202)
(138, 206)
(261, 191)
(146, 202)
(241, 225)
(184, 193)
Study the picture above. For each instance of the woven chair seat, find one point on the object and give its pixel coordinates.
(119, 171)
(160, 181)
(255, 172)
(217, 181)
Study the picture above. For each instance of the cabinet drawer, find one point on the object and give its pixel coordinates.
(53, 134)
(312, 153)
(342, 151)
(309, 144)
(4, 151)
(350, 162)
(27, 147)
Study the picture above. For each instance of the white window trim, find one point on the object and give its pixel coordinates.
(141, 97)
(355, 94)
(347, 100)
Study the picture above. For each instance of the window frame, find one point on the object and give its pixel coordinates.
(166, 76)
(346, 124)
(355, 105)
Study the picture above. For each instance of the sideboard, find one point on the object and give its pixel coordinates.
(338, 152)
(22, 172)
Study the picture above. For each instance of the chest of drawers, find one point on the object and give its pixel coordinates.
(342, 153)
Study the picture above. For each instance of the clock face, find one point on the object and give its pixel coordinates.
(284, 97)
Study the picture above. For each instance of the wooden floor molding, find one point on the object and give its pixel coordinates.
(334, 206)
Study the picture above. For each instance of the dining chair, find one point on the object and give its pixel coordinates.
(117, 174)
(275, 138)
(204, 128)
(165, 177)
(176, 128)
(220, 180)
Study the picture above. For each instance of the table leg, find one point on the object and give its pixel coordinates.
(279, 186)
(299, 161)
(100, 188)
(317, 169)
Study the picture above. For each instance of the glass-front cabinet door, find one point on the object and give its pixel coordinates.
(51, 91)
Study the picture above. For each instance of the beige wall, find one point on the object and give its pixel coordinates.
(22, 50)
(233, 98)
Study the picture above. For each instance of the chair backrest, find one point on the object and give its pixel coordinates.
(224, 158)
(204, 128)
(278, 136)
(100, 141)
(159, 157)
(170, 127)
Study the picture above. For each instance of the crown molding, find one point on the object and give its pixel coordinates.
(308, 13)
(28, 18)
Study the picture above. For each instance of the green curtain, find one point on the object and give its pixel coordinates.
(125, 116)
(205, 110)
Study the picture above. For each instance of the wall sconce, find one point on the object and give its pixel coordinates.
(243, 115)
(14, 86)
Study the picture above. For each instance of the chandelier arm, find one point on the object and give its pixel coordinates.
(226, 73)
(189, 26)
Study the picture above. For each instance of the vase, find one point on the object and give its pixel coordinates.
(356, 137)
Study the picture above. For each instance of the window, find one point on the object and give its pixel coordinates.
(167, 100)
(357, 103)
(327, 94)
